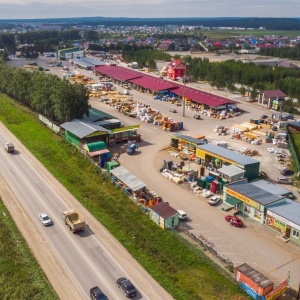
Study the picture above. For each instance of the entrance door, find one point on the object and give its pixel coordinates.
(288, 231)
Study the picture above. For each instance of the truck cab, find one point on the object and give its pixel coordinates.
(9, 147)
(131, 149)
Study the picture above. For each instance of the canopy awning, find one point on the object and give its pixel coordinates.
(232, 201)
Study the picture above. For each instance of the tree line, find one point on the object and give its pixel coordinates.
(47, 94)
(257, 77)
(282, 52)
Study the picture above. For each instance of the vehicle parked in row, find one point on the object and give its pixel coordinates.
(127, 287)
(287, 172)
(97, 294)
(45, 219)
(214, 200)
(234, 221)
(284, 180)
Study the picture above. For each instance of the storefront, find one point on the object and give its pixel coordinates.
(250, 200)
(284, 217)
(215, 157)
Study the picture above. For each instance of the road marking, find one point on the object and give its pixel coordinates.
(283, 265)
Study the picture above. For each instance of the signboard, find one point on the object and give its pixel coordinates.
(251, 292)
(287, 222)
(97, 133)
(279, 224)
(278, 291)
(242, 198)
(125, 128)
(200, 154)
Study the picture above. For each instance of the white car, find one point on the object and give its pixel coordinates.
(182, 215)
(214, 200)
(45, 219)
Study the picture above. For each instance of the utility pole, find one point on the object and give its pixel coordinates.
(184, 89)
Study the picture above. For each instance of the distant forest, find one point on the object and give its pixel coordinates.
(268, 23)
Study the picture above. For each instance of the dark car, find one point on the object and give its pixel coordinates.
(198, 117)
(234, 221)
(173, 110)
(287, 172)
(97, 294)
(264, 117)
(127, 287)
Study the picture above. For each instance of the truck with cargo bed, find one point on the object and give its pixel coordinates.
(73, 220)
(9, 147)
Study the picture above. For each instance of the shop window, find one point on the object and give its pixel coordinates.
(247, 209)
(257, 214)
(295, 234)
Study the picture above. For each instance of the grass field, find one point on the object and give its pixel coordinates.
(183, 271)
(20, 275)
(224, 34)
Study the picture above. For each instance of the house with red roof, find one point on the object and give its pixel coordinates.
(176, 69)
(271, 99)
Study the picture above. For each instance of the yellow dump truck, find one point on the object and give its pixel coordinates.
(73, 220)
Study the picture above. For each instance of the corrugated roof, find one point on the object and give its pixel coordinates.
(96, 115)
(229, 154)
(152, 83)
(119, 73)
(231, 170)
(274, 189)
(164, 210)
(253, 192)
(208, 99)
(188, 138)
(288, 209)
(274, 93)
(128, 178)
(254, 275)
(157, 84)
(82, 128)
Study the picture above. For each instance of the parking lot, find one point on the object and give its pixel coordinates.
(254, 243)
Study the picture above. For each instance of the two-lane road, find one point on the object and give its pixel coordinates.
(84, 257)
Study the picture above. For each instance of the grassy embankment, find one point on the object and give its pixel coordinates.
(183, 271)
(20, 275)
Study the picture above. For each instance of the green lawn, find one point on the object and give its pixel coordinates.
(20, 275)
(183, 271)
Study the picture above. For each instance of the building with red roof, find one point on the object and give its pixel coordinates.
(272, 98)
(176, 69)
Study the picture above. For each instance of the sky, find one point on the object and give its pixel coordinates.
(33, 9)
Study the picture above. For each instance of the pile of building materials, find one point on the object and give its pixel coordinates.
(247, 151)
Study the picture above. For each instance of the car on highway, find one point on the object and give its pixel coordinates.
(45, 219)
(97, 294)
(287, 172)
(214, 200)
(181, 215)
(173, 110)
(198, 117)
(234, 221)
(284, 180)
(127, 287)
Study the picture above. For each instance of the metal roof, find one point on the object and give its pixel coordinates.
(288, 209)
(274, 93)
(128, 178)
(90, 62)
(96, 115)
(253, 192)
(119, 73)
(229, 154)
(164, 210)
(82, 128)
(202, 97)
(274, 189)
(107, 122)
(254, 275)
(188, 138)
(157, 84)
(231, 170)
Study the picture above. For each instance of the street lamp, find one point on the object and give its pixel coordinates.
(184, 89)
